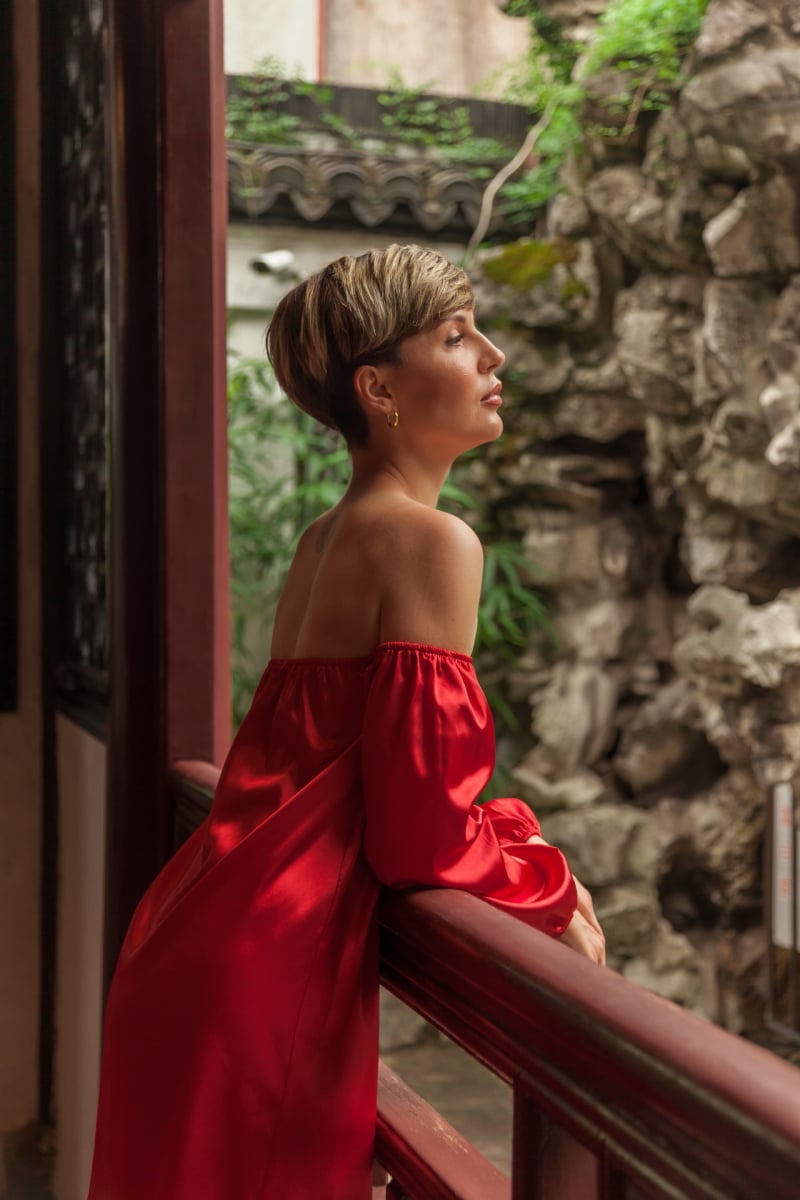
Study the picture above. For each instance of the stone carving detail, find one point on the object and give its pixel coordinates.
(655, 483)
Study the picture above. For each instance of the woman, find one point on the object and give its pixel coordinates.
(240, 1050)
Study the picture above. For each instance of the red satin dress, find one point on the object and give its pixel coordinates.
(241, 1037)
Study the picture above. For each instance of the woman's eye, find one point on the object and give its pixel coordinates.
(455, 340)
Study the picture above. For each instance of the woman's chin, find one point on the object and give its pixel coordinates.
(495, 429)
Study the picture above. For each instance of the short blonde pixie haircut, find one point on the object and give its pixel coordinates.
(354, 312)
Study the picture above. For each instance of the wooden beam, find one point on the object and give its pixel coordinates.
(194, 190)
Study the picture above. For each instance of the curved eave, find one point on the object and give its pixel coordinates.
(355, 187)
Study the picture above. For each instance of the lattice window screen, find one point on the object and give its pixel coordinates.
(84, 269)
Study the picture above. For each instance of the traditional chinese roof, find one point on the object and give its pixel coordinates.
(404, 190)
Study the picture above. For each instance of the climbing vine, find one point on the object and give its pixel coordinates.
(641, 44)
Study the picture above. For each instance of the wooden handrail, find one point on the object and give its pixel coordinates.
(416, 1145)
(662, 1098)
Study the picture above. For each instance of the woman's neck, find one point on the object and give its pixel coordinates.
(412, 479)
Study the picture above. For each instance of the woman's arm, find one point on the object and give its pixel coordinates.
(430, 596)
(431, 571)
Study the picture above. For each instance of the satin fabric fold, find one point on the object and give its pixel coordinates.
(241, 1039)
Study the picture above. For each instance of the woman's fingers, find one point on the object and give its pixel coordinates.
(585, 906)
(585, 938)
(584, 932)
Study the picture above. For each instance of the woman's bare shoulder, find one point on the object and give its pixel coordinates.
(430, 567)
(412, 527)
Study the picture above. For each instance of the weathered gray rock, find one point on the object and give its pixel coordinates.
(655, 323)
(719, 545)
(568, 216)
(580, 285)
(791, 18)
(630, 209)
(737, 961)
(574, 719)
(724, 828)
(600, 631)
(662, 747)
(783, 338)
(628, 914)
(542, 367)
(732, 360)
(652, 469)
(732, 643)
(783, 451)
(780, 400)
(595, 405)
(572, 480)
(594, 839)
(569, 296)
(573, 12)
(668, 968)
(781, 208)
(733, 467)
(600, 417)
(672, 448)
(757, 233)
(553, 795)
(727, 24)
(775, 751)
(651, 842)
(747, 109)
(601, 377)
(573, 551)
(541, 308)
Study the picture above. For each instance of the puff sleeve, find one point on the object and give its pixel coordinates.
(427, 752)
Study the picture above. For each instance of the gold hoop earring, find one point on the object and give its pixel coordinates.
(393, 419)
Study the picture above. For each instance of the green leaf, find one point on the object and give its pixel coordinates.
(525, 263)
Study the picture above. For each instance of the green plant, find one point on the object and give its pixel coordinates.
(409, 117)
(253, 111)
(561, 53)
(645, 34)
(415, 119)
(284, 471)
(642, 42)
(538, 83)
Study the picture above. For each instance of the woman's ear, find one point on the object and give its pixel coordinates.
(372, 389)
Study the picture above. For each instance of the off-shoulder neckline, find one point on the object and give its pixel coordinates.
(381, 648)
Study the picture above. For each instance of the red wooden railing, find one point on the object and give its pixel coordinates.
(618, 1094)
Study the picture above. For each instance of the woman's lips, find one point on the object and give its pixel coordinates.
(493, 397)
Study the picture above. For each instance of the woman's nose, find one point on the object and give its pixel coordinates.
(494, 355)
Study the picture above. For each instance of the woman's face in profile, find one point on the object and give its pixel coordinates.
(446, 384)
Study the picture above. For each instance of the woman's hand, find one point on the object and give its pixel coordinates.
(583, 932)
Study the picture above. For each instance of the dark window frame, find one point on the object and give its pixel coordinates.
(9, 471)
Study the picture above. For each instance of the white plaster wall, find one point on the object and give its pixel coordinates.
(20, 732)
(79, 965)
(285, 30)
(252, 297)
(446, 46)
